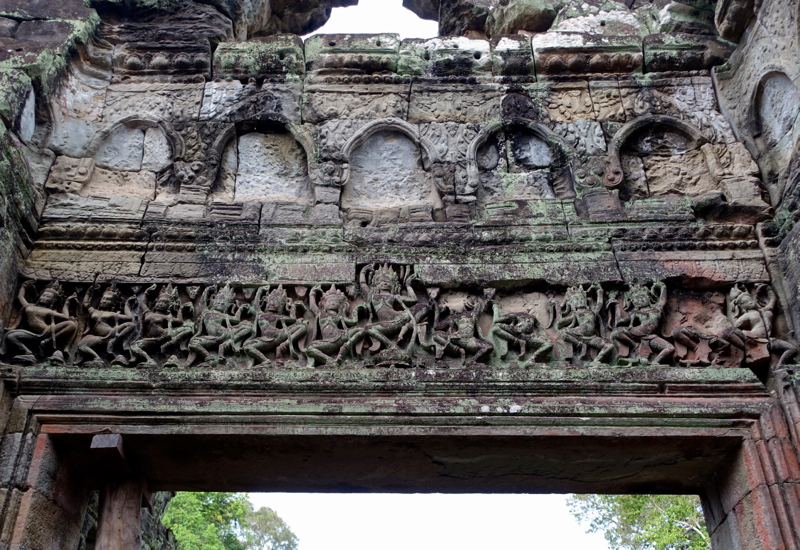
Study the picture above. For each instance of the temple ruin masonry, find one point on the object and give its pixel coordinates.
(552, 250)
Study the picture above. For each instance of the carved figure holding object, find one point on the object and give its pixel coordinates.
(335, 323)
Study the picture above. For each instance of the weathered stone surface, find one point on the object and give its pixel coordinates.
(608, 18)
(683, 52)
(445, 56)
(67, 209)
(527, 15)
(122, 150)
(356, 102)
(370, 186)
(449, 103)
(44, 9)
(157, 153)
(231, 101)
(412, 221)
(70, 175)
(121, 184)
(8, 27)
(45, 33)
(681, 17)
(511, 55)
(174, 41)
(174, 102)
(777, 108)
(16, 88)
(732, 17)
(368, 53)
(567, 52)
(271, 167)
(264, 56)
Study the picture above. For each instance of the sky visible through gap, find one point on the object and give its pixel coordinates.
(422, 521)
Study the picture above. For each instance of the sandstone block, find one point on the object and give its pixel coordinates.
(574, 52)
(511, 55)
(264, 56)
(684, 52)
(45, 9)
(65, 209)
(445, 56)
(369, 53)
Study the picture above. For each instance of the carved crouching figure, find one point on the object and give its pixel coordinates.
(522, 329)
(107, 326)
(218, 329)
(460, 334)
(163, 328)
(46, 328)
(276, 330)
(638, 321)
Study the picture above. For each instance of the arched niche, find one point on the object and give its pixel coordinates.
(262, 161)
(658, 155)
(389, 173)
(127, 157)
(776, 107)
(134, 143)
(518, 159)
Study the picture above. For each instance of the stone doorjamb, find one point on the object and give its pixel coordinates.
(402, 431)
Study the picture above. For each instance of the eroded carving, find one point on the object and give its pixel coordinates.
(390, 318)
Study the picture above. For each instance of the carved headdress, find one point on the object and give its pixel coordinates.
(576, 294)
(224, 296)
(336, 298)
(114, 293)
(385, 273)
(279, 297)
(741, 300)
(170, 294)
(55, 288)
(635, 293)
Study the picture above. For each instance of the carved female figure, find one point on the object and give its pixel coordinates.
(381, 286)
(47, 327)
(335, 322)
(460, 333)
(276, 330)
(218, 329)
(752, 324)
(641, 324)
(164, 327)
(106, 324)
(579, 323)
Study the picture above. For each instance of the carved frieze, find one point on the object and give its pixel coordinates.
(389, 317)
(453, 103)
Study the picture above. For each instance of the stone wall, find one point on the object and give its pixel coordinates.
(199, 201)
(758, 90)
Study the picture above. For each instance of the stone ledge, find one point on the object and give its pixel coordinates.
(644, 382)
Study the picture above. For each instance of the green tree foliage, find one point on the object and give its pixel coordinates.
(644, 522)
(267, 531)
(225, 521)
